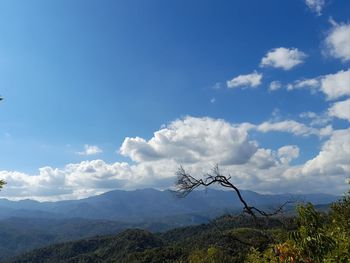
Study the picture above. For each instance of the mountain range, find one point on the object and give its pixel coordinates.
(147, 204)
(29, 224)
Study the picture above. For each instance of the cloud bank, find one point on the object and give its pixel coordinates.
(197, 144)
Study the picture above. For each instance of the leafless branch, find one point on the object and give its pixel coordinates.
(186, 183)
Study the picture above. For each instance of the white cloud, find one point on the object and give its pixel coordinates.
(338, 41)
(73, 181)
(217, 86)
(285, 58)
(264, 159)
(289, 126)
(305, 83)
(275, 85)
(316, 119)
(316, 6)
(250, 80)
(333, 159)
(328, 172)
(90, 150)
(288, 153)
(336, 85)
(340, 110)
(333, 86)
(191, 140)
(308, 115)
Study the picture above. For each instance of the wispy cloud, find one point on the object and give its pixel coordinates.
(90, 150)
(250, 80)
(316, 119)
(218, 85)
(334, 86)
(275, 85)
(293, 127)
(315, 6)
(305, 83)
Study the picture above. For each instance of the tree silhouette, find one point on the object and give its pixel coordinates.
(186, 183)
(2, 182)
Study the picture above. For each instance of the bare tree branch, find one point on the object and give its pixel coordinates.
(186, 183)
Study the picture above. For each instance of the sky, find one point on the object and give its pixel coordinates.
(104, 95)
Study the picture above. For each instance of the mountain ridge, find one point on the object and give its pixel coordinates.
(150, 203)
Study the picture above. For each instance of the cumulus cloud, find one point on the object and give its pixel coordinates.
(73, 181)
(250, 80)
(288, 153)
(191, 140)
(336, 85)
(340, 110)
(338, 41)
(327, 172)
(333, 159)
(90, 150)
(315, 6)
(284, 58)
(264, 159)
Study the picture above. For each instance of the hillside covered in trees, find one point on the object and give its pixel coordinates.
(311, 236)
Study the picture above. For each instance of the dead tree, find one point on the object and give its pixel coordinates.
(186, 183)
(2, 182)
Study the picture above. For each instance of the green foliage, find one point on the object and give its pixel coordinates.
(255, 256)
(210, 255)
(318, 238)
(311, 239)
(214, 242)
(339, 229)
(2, 183)
(18, 235)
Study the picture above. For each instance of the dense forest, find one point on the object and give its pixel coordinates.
(311, 236)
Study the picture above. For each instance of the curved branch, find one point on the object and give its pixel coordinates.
(186, 183)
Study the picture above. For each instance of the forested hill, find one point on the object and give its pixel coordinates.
(310, 236)
(28, 224)
(135, 245)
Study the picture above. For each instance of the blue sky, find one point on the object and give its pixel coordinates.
(90, 82)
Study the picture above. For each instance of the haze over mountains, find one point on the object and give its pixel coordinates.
(147, 204)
